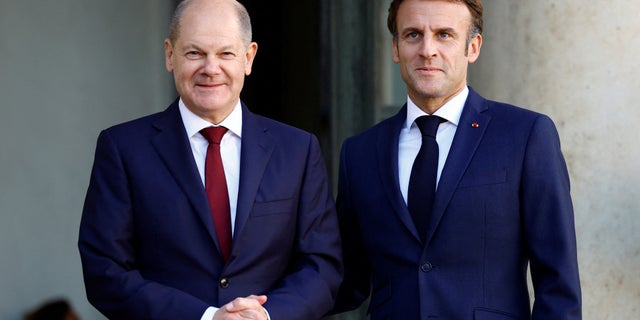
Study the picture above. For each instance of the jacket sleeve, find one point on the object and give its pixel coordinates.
(356, 285)
(309, 289)
(113, 282)
(549, 226)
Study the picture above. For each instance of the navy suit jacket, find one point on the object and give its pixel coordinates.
(502, 202)
(147, 241)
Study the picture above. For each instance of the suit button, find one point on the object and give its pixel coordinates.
(224, 283)
(426, 266)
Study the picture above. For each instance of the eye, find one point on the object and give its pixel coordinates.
(412, 36)
(193, 54)
(444, 35)
(227, 55)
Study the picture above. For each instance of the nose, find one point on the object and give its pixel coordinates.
(211, 65)
(428, 47)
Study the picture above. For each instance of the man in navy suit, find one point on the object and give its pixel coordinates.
(501, 203)
(148, 242)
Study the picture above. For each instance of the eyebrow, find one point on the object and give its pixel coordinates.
(190, 46)
(408, 30)
(194, 46)
(446, 30)
(227, 48)
(449, 30)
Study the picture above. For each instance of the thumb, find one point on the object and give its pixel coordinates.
(261, 298)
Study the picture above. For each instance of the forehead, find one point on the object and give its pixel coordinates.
(430, 14)
(209, 23)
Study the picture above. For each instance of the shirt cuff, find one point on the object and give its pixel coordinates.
(208, 314)
(211, 311)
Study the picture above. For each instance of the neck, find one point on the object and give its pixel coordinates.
(431, 104)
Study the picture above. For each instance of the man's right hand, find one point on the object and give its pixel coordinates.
(243, 308)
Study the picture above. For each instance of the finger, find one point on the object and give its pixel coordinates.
(261, 298)
(239, 315)
(239, 304)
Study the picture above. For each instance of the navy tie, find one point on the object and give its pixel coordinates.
(422, 183)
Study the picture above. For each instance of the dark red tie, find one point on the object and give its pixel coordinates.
(216, 188)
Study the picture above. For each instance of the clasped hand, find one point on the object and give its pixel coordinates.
(243, 308)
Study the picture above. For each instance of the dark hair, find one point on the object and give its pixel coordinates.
(51, 310)
(241, 11)
(474, 6)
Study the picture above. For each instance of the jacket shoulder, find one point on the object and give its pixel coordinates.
(280, 130)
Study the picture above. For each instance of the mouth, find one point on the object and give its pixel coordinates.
(209, 85)
(429, 70)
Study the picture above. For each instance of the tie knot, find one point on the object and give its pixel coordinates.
(429, 125)
(213, 134)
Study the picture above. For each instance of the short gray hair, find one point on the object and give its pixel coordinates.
(241, 11)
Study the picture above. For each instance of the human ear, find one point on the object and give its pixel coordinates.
(250, 55)
(168, 55)
(474, 48)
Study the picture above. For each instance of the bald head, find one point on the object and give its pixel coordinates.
(235, 6)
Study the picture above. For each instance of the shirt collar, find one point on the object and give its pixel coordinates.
(193, 124)
(450, 111)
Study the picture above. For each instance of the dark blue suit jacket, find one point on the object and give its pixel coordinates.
(503, 201)
(147, 241)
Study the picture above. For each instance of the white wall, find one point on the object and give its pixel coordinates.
(67, 69)
(578, 62)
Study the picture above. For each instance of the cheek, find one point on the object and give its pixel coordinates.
(236, 71)
(183, 73)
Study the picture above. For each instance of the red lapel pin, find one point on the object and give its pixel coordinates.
(475, 125)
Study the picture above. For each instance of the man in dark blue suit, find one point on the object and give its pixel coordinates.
(149, 245)
(501, 199)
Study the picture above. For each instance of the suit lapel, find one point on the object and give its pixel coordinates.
(471, 129)
(387, 146)
(257, 147)
(172, 144)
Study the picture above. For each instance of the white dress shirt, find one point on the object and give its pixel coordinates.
(229, 149)
(410, 138)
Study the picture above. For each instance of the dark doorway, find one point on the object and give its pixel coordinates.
(290, 73)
